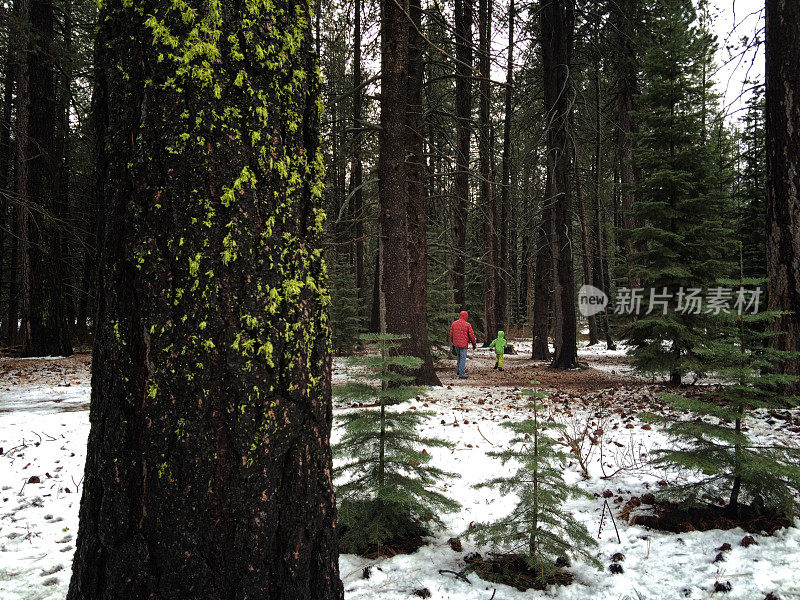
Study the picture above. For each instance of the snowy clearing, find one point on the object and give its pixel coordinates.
(44, 424)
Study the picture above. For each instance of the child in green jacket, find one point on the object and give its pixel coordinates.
(499, 345)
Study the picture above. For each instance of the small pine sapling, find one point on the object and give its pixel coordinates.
(538, 529)
(716, 445)
(388, 497)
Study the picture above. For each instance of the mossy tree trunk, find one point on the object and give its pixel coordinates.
(208, 471)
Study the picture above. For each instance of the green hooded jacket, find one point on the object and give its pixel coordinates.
(499, 343)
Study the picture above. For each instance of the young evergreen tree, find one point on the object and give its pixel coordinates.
(751, 191)
(715, 445)
(538, 529)
(387, 497)
(679, 205)
(344, 315)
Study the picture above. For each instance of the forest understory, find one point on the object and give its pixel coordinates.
(44, 423)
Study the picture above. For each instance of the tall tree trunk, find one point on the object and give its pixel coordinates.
(417, 197)
(485, 158)
(624, 15)
(598, 238)
(505, 191)
(543, 280)
(586, 263)
(61, 156)
(463, 111)
(22, 173)
(557, 21)
(46, 330)
(392, 171)
(357, 174)
(783, 177)
(6, 149)
(208, 471)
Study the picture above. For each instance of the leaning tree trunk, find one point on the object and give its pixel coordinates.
(417, 225)
(463, 112)
(392, 173)
(208, 471)
(557, 20)
(783, 177)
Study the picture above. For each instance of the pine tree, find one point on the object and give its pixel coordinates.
(387, 497)
(751, 192)
(538, 529)
(344, 314)
(715, 444)
(681, 236)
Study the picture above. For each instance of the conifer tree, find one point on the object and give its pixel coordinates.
(716, 445)
(751, 191)
(344, 314)
(538, 529)
(387, 496)
(681, 237)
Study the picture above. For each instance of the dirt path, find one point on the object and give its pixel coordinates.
(520, 370)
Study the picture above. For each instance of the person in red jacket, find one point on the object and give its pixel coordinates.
(461, 335)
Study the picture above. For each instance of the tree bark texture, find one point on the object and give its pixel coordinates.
(417, 198)
(557, 21)
(783, 176)
(392, 172)
(208, 471)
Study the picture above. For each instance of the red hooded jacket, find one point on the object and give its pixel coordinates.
(461, 333)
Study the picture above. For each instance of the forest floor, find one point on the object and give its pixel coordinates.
(44, 424)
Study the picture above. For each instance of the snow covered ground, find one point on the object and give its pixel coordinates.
(44, 427)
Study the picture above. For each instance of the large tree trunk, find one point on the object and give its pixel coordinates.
(392, 172)
(208, 471)
(463, 110)
(487, 200)
(557, 20)
(417, 197)
(783, 177)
